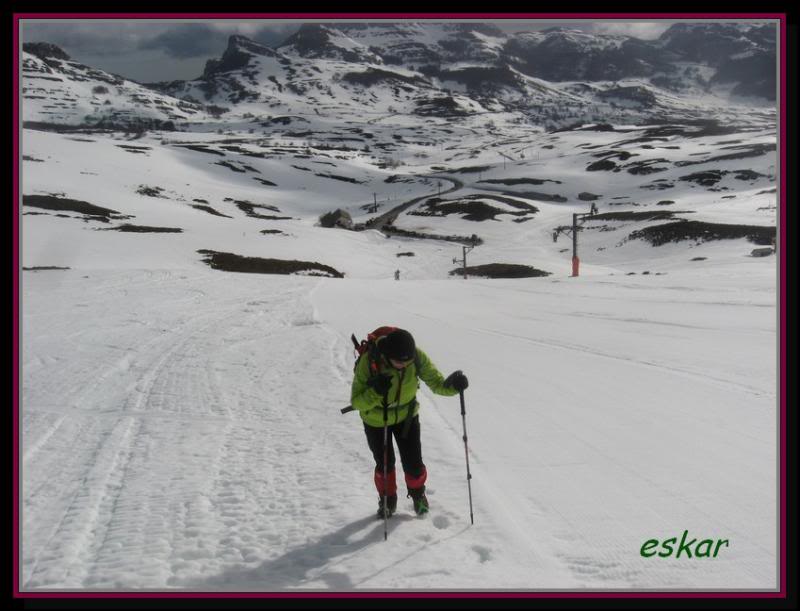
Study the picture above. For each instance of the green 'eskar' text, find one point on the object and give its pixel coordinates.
(687, 548)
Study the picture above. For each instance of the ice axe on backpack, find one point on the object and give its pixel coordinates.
(359, 349)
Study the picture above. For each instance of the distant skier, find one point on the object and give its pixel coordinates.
(397, 274)
(392, 371)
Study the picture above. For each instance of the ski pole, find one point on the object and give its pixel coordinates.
(385, 464)
(466, 454)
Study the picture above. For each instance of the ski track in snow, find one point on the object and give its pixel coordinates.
(163, 416)
(696, 375)
(192, 463)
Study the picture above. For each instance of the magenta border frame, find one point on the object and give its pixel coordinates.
(588, 594)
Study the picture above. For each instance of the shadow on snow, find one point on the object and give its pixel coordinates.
(293, 568)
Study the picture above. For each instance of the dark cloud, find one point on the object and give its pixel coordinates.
(84, 37)
(179, 40)
(275, 35)
(150, 51)
(187, 40)
(204, 40)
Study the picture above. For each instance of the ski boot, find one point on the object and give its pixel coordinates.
(391, 505)
(420, 500)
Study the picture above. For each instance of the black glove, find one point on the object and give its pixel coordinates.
(380, 383)
(457, 380)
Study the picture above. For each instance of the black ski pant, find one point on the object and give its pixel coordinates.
(410, 447)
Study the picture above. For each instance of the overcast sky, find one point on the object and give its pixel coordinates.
(151, 51)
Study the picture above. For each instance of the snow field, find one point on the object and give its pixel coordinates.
(180, 426)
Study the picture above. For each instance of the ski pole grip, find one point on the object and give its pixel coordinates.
(349, 408)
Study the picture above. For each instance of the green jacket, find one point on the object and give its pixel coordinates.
(402, 393)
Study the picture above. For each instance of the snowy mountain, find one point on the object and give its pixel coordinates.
(553, 77)
(58, 90)
(196, 255)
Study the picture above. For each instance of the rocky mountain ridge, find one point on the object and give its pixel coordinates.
(553, 77)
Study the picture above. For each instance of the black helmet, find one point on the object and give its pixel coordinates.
(398, 345)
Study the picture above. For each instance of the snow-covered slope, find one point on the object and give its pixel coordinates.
(511, 186)
(61, 91)
(181, 430)
(181, 425)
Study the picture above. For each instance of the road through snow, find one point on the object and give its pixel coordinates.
(181, 429)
